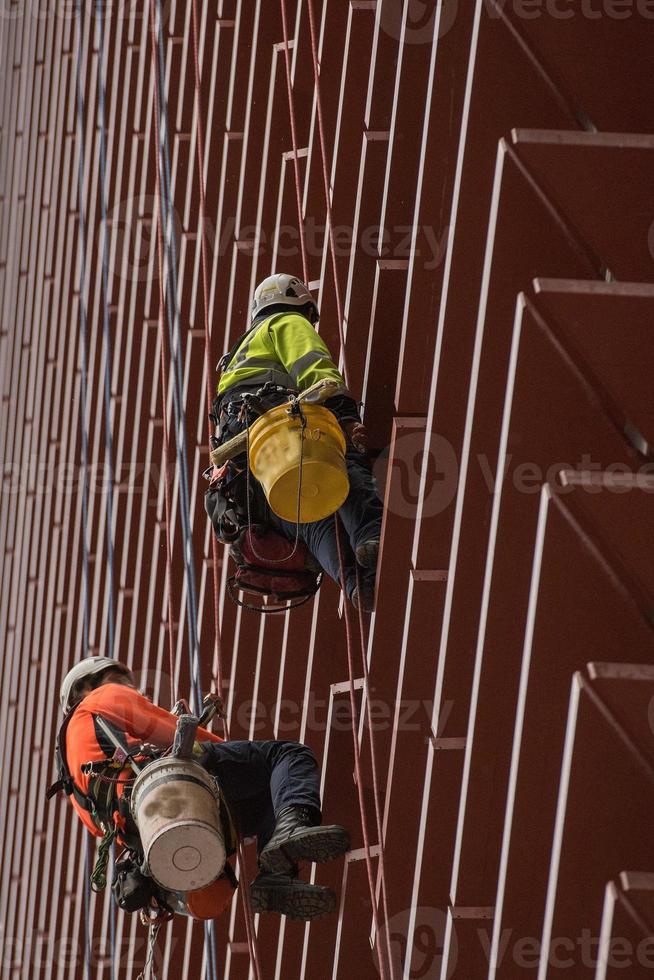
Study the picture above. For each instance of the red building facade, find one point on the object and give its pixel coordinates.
(484, 168)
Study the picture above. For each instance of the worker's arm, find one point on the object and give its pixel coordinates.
(137, 716)
(306, 359)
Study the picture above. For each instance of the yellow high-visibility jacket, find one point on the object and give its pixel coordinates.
(284, 349)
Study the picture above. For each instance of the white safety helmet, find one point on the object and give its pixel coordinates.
(83, 670)
(281, 289)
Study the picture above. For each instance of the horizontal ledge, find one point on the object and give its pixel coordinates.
(637, 881)
(429, 574)
(397, 264)
(565, 137)
(449, 744)
(290, 154)
(585, 287)
(342, 687)
(360, 853)
(594, 478)
(626, 672)
(472, 911)
(238, 948)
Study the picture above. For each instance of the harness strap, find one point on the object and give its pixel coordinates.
(100, 800)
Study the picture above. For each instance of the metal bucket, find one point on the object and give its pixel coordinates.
(175, 805)
(278, 446)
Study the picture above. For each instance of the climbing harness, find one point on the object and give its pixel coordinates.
(240, 517)
(99, 801)
(257, 572)
(237, 507)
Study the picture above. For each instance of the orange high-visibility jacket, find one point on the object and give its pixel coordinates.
(133, 715)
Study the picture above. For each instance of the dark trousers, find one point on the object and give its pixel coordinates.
(361, 515)
(261, 778)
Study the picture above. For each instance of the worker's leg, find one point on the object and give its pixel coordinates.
(259, 779)
(245, 781)
(361, 515)
(320, 539)
(362, 511)
(294, 775)
(298, 834)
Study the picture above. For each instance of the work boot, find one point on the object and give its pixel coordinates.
(289, 896)
(297, 838)
(367, 553)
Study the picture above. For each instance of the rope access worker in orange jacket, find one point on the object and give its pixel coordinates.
(282, 350)
(271, 789)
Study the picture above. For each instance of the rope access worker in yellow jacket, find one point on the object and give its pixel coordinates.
(282, 350)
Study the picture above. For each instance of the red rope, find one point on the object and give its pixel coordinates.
(296, 162)
(357, 756)
(325, 174)
(164, 372)
(245, 888)
(375, 778)
(348, 627)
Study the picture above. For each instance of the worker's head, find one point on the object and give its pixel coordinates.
(90, 673)
(281, 293)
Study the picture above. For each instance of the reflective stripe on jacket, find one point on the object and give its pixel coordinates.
(284, 349)
(132, 714)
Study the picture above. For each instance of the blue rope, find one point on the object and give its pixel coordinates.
(175, 342)
(107, 384)
(210, 947)
(108, 444)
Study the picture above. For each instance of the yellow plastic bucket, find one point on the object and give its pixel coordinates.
(276, 447)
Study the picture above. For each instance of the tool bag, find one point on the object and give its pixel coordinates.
(132, 889)
(226, 502)
(234, 499)
(268, 565)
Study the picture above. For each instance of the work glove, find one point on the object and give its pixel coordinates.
(357, 434)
